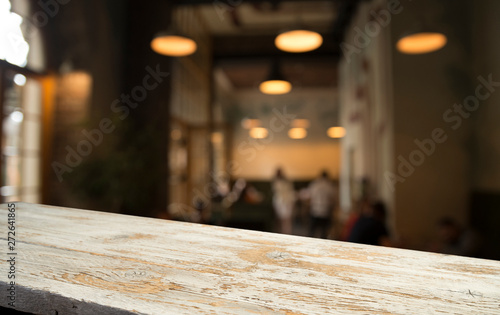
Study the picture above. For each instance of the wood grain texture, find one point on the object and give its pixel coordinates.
(86, 262)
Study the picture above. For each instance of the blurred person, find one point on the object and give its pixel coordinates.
(363, 206)
(251, 195)
(182, 212)
(223, 187)
(218, 212)
(370, 228)
(454, 240)
(283, 201)
(323, 196)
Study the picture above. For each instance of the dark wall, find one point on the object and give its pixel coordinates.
(146, 135)
(127, 172)
(485, 217)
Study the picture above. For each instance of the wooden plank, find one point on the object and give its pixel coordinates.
(86, 262)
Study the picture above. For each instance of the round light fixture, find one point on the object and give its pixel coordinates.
(275, 83)
(336, 132)
(298, 41)
(258, 133)
(297, 133)
(421, 43)
(169, 44)
(275, 87)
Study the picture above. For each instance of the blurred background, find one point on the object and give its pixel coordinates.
(396, 100)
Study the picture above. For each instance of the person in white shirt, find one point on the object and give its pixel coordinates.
(323, 196)
(284, 198)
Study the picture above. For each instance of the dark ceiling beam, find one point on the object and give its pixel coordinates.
(262, 47)
(347, 9)
(305, 57)
(22, 70)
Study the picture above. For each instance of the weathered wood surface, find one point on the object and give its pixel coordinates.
(85, 262)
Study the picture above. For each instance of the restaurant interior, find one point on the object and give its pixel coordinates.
(185, 110)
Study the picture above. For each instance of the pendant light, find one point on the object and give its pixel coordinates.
(423, 37)
(172, 44)
(336, 132)
(298, 128)
(275, 83)
(421, 42)
(298, 40)
(258, 133)
(297, 133)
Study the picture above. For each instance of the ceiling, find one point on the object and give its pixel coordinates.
(244, 31)
(301, 73)
(266, 18)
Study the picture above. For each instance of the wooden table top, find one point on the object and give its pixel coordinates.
(70, 261)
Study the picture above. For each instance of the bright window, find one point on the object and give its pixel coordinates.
(13, 46)
(21, 139)
(20, 104)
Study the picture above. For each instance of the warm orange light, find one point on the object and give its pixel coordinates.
(336, 132)
(421, 43)
(297, 133)
(258, 133)
(300, 123)
(173, 45)
(217, 137)
(275, 87)
(249, 123)
(298, 41)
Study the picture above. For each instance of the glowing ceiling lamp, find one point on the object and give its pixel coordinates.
(421, 42)
(297, 133)
(298, 41)
(174, 45)
(336, 132)
(258, 133)
(276, 83)
(275, 87)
